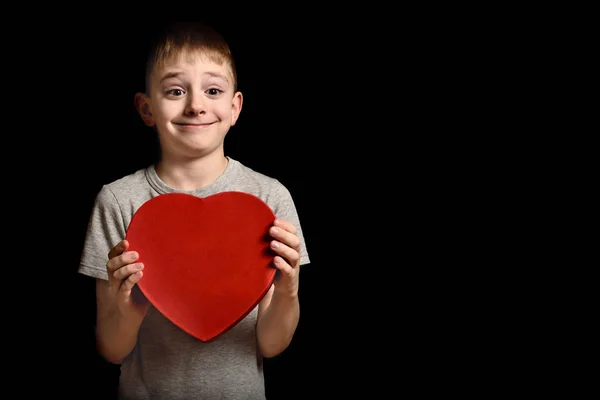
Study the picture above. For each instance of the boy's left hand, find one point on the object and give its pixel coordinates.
(287, 247)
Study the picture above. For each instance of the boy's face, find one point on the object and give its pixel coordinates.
(193, 104)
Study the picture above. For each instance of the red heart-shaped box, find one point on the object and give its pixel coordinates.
(207, 261)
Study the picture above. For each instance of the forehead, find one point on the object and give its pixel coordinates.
(193, 61)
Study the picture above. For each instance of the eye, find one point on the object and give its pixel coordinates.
(176, 92)
(214, 92)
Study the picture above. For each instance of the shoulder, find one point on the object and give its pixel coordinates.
(267, 187)
(126, 184)
(121, 196)
(248, 174)
(131, 188)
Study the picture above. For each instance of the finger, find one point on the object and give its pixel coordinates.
(289, 254)
(130, 282)
(119, 261)
(286, 237)
(122, 246)
(282, 223)
(127, 270)
(282, 265)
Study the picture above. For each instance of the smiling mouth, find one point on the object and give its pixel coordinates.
(194, 125)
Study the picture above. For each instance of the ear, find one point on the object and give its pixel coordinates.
(236, 107)
(142, 104)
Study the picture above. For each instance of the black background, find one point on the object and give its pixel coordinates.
(307, 119)
(357, 116)
(281, 132)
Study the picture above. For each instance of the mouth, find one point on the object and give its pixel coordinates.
(194, 125)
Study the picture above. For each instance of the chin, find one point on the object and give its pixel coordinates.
(200, 151)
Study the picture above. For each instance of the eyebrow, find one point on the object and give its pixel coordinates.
(170, 75)
(217, 75)
(176, 74)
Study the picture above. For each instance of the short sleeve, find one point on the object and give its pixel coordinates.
(105, 229)
(284, 207)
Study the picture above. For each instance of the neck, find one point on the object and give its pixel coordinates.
(191, 174)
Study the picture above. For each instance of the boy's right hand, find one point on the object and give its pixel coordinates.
(123, 274)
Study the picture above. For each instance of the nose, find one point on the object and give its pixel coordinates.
(196, 105)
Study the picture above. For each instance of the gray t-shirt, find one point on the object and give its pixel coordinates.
(168, 363)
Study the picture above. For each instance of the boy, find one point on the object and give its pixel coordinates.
(192, 100)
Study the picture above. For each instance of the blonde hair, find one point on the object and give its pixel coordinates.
(189, 39)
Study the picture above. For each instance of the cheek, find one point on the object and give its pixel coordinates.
(223, 110)
(167, 112)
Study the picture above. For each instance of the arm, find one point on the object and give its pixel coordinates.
(279, 311)
(278, 316)
(120, 306)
